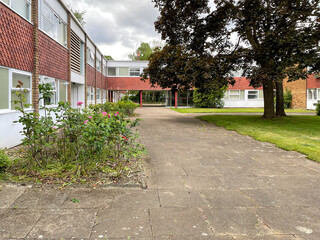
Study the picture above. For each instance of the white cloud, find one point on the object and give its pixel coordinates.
(118, 27)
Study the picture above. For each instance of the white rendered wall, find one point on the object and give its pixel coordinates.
(311, 104)
(244, 103)
(75, 27)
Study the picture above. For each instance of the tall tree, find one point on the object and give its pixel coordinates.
(80, 16)
(144, 50)
(108, 57)
(272, 39)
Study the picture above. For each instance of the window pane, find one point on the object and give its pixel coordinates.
(135, 72)
(48, 27)
(234, 96)
(112, 71)
(242, 93)
(226, 95)
(5, 1)
(21, 7)
(318, 93)
(234, 92)
(260, 94)
(62, 34)
(62, 91)
(4, 89)
(14, 97)
(123, 71)
(22, 78)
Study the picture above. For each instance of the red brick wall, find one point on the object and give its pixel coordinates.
(91, 76)
(99, 80)
(16, 50)
(53, 58)
(130, 83)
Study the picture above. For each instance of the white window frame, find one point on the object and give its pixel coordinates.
(82, 58)
(134, 68)
(98, 93)
(90, 57)
(105, 69)
(257, 94)
(314, 94)
(55, 20)
(13, 88)
(29, 9)
(234, 99)
(55, 91)
(112, 75)
(90, 95)
(104, 96)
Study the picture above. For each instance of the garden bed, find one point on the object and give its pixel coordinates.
(94, 146)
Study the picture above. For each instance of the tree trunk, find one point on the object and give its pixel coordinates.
(268, 100)
(279, 100)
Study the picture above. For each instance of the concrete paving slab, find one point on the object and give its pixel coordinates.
(198, 183)
(267, 237)
(122, 223)
(17, 223)
(9, 194)
(288, 220)
(168, 171)
(180, 198)
(86, 198)
(235, 221)
(227, 199)
(178, 221)
(143, 199)
(41, 198)
(201, 171)
(64, 223)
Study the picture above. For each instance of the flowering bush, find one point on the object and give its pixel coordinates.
(78, 141)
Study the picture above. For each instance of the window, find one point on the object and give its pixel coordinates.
(90, 57)
(90, 95)
(112, 71)
(82, 65)
(98, 95)
(26, 87)
(4, 89)
(62, 38)
(312, 94)
(98, 64)
(260, 94)
(318, 93)
(6, 2)
(63, 88)
(53, 99)
(135, 72)
(104, 68)
(104, 98)
(253, 95)
(234, 94)
(124, 71)
(22, 7)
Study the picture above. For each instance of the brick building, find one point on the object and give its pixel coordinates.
(41, 41)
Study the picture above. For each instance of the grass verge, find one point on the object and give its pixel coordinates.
(292, 133)
(233, 110)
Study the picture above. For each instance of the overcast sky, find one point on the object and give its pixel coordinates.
(118, 27)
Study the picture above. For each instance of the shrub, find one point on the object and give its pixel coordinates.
(318, 109)
(79, 140)
(208, 99)
(4, 161)
(287, 99)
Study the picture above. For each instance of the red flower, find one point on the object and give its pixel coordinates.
(125, 138)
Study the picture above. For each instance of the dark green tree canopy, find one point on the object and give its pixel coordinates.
(267, 39)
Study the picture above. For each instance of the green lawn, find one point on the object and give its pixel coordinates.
(294, 133)
(233, 110)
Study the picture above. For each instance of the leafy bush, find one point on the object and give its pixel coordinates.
(4, 161)
(287, 98)
(77, 141)
(318, 109)
(208, 99)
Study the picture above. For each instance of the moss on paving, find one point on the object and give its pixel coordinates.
(292, 133)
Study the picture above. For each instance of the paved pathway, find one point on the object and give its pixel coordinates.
(205, 183)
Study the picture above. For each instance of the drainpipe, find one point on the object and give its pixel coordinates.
(69, 55)
(35, 71)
